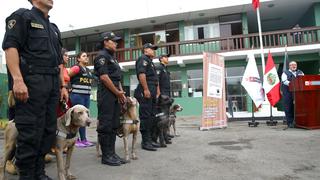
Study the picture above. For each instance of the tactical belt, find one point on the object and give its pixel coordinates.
(152, 82)
(42, 70)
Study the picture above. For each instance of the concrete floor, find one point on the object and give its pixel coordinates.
(235, 153)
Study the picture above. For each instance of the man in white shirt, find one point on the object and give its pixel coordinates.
(286, 78)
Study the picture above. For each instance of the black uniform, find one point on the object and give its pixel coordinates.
(147, 108)
(288, 97)
(39, 45)
(108, 105)
(164, 79)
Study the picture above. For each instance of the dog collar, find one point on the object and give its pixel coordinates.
(160, 114)
(66, 136)
(129, 121)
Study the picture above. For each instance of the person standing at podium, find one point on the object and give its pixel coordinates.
(286, 77)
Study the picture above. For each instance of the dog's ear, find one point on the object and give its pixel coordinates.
(68, 116)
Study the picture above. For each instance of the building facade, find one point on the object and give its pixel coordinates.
(232, 32)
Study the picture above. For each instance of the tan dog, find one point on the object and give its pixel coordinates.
(129, 125)
(67, 126)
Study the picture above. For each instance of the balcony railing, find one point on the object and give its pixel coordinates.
(293, 37)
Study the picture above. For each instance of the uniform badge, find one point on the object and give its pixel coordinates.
(102, 61)
(11, 23)
(158, 72)
(112, 60)
(145, 63)
(36, 25)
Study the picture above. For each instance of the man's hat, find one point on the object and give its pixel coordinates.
(149, 45)
(110, 36)
(164, 55)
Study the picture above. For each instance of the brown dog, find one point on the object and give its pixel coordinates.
(67, 127)
(129, 125)
(172, 118)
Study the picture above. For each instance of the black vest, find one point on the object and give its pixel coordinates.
(290, 77)
(81, 82)
(164, 79)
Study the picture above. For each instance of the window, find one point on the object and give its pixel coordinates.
(195, 87)
(133, 84)
(176, 84)
(236, 94)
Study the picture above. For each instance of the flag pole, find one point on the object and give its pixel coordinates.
(261, 42)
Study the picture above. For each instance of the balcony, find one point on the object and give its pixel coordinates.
(292, 37)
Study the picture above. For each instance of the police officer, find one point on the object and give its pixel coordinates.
(165, 88)
(33, 53)
(164, 75)
(146, 93)
(109, 94)
(286, 77)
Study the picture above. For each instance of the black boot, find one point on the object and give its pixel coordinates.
(40, 172)
(122, 161)
(106, 142)
(146, 141)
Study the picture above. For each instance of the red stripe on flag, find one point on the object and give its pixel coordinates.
(255, 4)
(274, 95)
(270, 63)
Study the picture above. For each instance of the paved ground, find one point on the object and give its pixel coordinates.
(235, 153)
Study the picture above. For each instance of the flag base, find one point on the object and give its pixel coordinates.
(272, 123)
(253, 124)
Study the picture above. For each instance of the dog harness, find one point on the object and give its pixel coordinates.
(129, 121)
(66, 136)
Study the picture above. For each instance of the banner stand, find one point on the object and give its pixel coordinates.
(253, 122)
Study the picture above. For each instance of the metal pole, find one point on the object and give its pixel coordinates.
(261, 42)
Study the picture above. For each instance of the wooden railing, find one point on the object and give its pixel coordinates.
(293, 37)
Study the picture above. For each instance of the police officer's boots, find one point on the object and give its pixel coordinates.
(146, 141)
(39, 171)
(106, 143)
(115, 155)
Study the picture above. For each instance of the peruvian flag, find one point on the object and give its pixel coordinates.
(255, 4)
(271, 82)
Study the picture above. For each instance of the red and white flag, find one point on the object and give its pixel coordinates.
(251, 81)
(255, 4)
(271, 82)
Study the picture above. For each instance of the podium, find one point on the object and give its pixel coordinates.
(306, 92)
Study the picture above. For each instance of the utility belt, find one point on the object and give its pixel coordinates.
(31, 69)
(155, 83)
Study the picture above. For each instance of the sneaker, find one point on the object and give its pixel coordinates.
(79, 144)
(87, 143)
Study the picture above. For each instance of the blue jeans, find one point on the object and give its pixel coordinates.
(82, 99)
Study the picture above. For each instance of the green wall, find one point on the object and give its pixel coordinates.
(308, 18)
(3, 95)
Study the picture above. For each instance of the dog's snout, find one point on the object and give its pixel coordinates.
(88, 122)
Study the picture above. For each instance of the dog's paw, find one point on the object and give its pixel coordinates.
(71, 177)
(134, 158)
(11, 168)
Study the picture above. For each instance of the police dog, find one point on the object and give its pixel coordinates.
(130, 124)
(172, 118)
(67, 127)
(162, 118)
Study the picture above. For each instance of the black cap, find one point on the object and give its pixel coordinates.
(110, 36)
(164, 55)
(149, 45)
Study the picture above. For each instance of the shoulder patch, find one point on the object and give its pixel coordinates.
(11, 23)
(102, 61)
(145, 63)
